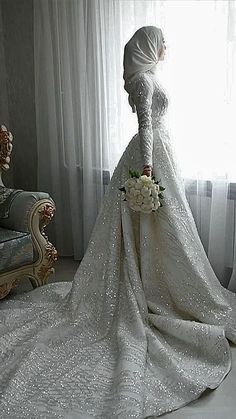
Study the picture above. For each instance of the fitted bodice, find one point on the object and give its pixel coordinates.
(159, 103)
(151, 103)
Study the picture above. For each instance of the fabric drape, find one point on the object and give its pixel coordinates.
(144, 327)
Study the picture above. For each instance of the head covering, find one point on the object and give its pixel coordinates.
(141, 53)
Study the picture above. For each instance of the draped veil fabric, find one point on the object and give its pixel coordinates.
(141, 54)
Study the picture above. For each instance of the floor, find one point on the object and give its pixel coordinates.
(65, 269)
(213, 404)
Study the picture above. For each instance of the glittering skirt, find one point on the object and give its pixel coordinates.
(143, 329)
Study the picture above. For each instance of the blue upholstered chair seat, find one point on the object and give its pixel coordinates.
(16, 249)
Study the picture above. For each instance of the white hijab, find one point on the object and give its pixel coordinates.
(141, 53)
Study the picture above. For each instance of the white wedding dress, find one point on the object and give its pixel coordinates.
(145, 326)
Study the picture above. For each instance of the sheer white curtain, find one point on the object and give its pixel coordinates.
(78, 81)
(84, 121)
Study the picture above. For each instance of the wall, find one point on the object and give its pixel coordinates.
(18, 44)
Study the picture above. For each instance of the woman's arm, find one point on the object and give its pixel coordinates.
(142, 98)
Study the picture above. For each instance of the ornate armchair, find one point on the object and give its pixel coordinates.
(25, 250)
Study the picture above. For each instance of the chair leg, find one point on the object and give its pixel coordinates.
(43, 270)
(40, 216)
(6, 288)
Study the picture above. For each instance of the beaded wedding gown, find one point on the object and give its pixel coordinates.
(145, 325)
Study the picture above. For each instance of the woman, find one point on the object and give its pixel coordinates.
(144, 328)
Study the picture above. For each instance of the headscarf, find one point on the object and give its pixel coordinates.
(141, 53)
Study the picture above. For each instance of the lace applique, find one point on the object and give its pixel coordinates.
(151, 103)
(142, 98)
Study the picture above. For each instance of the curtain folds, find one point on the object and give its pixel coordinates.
(84, 121)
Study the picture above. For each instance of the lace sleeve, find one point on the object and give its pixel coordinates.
(142, 98)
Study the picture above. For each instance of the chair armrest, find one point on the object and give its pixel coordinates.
(20, 210)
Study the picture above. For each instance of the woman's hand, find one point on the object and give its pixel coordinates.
(147, 170)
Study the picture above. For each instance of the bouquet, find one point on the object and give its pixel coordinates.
(143, 193)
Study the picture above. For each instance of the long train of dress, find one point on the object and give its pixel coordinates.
(142, 330)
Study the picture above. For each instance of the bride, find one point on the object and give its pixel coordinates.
(145, 326)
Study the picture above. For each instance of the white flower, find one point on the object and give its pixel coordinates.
(129, 183)
(157, 204)
(146, 180)
(142, 194)
(157, 199)
(132, 191)
(147, 200)
(139, 199)
(146, 208)
(145, 191)
(138, 184)
(135, 200)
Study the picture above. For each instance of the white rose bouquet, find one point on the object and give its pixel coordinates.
(143, 193)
